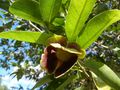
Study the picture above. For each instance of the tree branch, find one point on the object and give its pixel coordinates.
(83, 69)
(35, 26)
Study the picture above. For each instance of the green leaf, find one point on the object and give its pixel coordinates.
(54, 84)
(64, 1)
(8, 25)
(59, 21)
(21, 27)
(118, 74)
(104, 72)
(14, 64)
(80, 88)
(101, 7)
(78, 13)
(27, 9)
(1, 29)
(56, 29)
(81, 75)
(59, 84)
(49, 9)
(27, 36)
(4, 4)
(107, 37)
(99, 83)
(44, 80)
(69, 79)
(19, 74)
(95, 26)
(116, 49)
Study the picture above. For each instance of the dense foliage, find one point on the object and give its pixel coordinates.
(93, 24)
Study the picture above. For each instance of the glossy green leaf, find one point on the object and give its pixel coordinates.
(78, 13)
(99, 83)
(27, 9)
(54, 84)
(69, 79)
(59, 84)
(27, 36)
(44, 80)
(49, 9)
(104, 72)
(95, 26)
(59, 21)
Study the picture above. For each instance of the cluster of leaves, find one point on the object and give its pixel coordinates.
(14, 52)
(45, 19)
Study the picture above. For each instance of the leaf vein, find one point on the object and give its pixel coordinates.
(79, 19)
(52, 11)
(28, 15)
(98, 32)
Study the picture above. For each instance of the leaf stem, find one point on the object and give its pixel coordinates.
(83, 69)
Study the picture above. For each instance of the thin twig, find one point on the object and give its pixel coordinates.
(80, 62)
(83, 69)
(106, 47)
(35, 26)
(85, 72)
(30, 23)
(11, 1)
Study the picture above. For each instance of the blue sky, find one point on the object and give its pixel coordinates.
(7, 80)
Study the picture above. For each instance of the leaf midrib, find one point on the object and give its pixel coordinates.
(79, 19)
(98, 32)
(20, 36)
(28, 15)
(52, 11)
